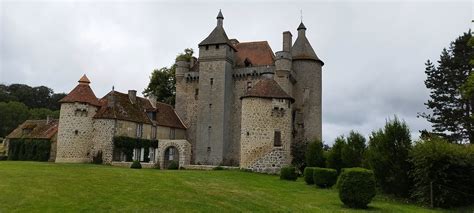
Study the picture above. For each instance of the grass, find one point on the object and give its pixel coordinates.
(35, 186)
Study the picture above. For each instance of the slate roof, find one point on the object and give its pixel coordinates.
(124, 109)
(38, 129)
(217, 36)
(267, 88)
(302, 49)
(81, 93)
(259, 53)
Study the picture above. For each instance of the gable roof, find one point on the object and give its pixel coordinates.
(267, 88)
(259, 53)
(37, 129)
(124, 109)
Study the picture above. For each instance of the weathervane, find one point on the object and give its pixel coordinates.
(301, 15)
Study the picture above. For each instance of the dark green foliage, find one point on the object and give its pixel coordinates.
(388, 155)
(29, 149)
(353, 151)
(42, 113)
(97, 158)
(32, 97)
(218, 168)
(127, 144)
(451, 112)
(12, 114)
(136, 165)
(356, 187)
(334, 159)
(288, 173)
(298, 150)
(308, 175)
(173, 165)
(163, 81)
(314, 154)
(324, 177)
(450, 167)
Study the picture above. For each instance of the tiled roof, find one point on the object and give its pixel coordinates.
(259, 53)
(81, 93)
(123, 109)
(267, 88)
(38, 129)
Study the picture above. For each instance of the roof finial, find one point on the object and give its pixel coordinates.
(301, 15)
(84, 80)
(220, 19)
(113, 88)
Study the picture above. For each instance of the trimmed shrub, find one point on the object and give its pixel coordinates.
(136, 165)
(324, 177)
(173, 165)
(308, 175)
(448, 167)
(288, 173)
(356, 187)
(97, 159)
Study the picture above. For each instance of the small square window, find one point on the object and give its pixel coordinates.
(207, 47)
(217, 46)
(212, 81)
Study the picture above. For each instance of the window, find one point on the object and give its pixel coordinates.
(212, 81)
(249, 85)
(217, 46)
(139, 130)
(196, 94)
(277, 138)
(207, 47)
(153, 132)
(76, 132)
(152, 116)
(172, 133)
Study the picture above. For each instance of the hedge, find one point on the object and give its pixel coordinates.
(127, 144)
(324, 177)
(356, 187)
(308, 175)
(448, 167)
(29, 149)
(288, 173)
(136, 165)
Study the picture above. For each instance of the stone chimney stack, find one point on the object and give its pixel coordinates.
(287, 41)
(132, 94)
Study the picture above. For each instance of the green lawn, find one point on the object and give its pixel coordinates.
(26, 186)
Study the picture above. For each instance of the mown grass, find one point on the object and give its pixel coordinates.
(34, 186)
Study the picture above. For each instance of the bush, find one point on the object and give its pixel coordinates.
(298, 149)
(314, 154)
(173, 165)
(450, 169)
(136, 165)
(387, 156)
(157, 166)
(353, 151)
(288, 173)
(356, 187)
(29, 149)
(324, 178)
(308, 175)
(334, 159)
(97, 159)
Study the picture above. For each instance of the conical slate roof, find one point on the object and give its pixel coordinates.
(217, 36)
(302, 49)
(81, 93)
(267, 88)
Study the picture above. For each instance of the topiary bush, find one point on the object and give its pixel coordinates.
(218, 168)
(324, 177)
(97, 158)
(356, 187)
(173, 165)
(136, 165)
(288, 173)
(308, 175)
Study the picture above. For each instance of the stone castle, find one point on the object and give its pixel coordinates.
(237, 104)
(244, 105)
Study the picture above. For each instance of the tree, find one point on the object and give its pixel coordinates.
(388, 157)
(334, 159)
(12, 114)
(451, 112)
(162, 83)
(42, 113)
(314, 154)
(353, 151)
(298, 151)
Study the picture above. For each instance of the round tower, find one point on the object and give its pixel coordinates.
(75, 129)
(182, 67)
(308, 88)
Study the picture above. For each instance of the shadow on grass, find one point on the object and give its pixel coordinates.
(368, 209)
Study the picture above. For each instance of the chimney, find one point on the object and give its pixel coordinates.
(287, 40)
(132, 94)
(152, 99)
(48, 119)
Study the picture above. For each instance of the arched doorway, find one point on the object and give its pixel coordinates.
(171, 154)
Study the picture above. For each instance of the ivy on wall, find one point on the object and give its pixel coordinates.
(127, 144)
(29, 149)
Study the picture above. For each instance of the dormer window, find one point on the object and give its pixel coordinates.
(247, 62)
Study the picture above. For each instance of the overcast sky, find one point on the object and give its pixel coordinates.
(374, 52)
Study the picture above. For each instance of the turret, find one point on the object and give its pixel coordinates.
(283, 64)
(308, 88)
(75, 130)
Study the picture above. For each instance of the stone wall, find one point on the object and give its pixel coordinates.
(184, 150)
(75, 132)
(260, 120)
(103, 139)
(272, 162)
